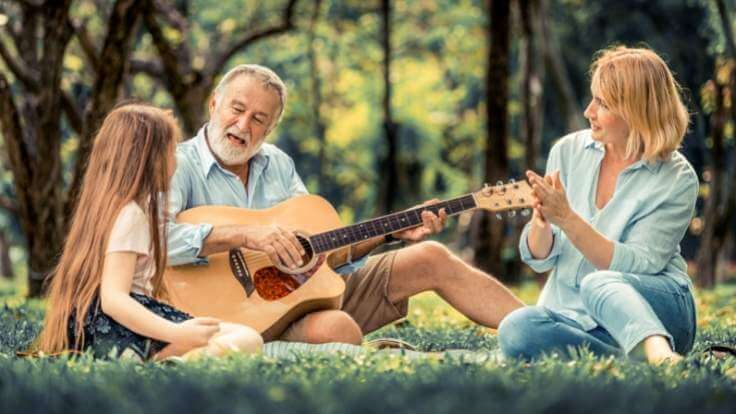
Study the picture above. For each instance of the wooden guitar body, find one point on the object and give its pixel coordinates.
(215, 290)
(245, 287)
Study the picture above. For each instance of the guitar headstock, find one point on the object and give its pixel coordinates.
(513, 195)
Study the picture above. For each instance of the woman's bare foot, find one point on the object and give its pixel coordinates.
(658, 351)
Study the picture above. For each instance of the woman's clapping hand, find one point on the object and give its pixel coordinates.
(550, 204)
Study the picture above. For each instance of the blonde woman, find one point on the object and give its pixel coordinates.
(609, 216)
(101, 294)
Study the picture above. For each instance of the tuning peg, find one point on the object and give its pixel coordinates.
(511, 213)
(487, 190)
(499, 216)
(526, 212)
(501, 188)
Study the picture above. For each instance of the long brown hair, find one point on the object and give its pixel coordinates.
(130, 161)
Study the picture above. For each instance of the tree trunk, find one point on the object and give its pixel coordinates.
(316, 84)
(489, 243)
(710, 242)
(569, 104)
(388, 173)
(532, 82)
(720, 204)
(6, 265)
(32, 130)
(531, 97)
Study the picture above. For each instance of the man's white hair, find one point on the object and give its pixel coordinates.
(266, 76)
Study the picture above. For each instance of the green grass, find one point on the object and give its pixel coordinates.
(375, 381)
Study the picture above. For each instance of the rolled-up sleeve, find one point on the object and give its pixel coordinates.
(544, 264)
(652, 240)
(184, 241)
(547, 263)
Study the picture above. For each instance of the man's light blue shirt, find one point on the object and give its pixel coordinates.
(646, 219)
(200, 180)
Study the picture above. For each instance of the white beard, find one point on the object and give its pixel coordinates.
(225, 151)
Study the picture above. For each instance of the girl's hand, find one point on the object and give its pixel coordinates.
(196, 332)
(551, 200)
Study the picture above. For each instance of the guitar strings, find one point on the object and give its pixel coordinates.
(260, 259)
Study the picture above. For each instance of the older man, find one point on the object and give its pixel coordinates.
(228, 163)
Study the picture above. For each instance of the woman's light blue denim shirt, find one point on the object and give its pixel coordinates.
(646, 219)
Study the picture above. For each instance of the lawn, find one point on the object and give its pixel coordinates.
(373, 381)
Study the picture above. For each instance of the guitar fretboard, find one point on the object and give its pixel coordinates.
(384, 225)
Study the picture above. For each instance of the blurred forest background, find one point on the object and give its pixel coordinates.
(390, 102)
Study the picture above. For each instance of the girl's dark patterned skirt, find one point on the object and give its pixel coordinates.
(108, 339)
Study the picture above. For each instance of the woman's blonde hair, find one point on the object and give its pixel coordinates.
(636, 84)
(129, 162)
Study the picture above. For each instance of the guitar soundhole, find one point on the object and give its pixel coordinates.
(308, 253)
(273, 284)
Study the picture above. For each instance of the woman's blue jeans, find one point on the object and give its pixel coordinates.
(627, 307)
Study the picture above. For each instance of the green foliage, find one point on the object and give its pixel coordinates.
(439, 68)
(370, 383)
(374, 381)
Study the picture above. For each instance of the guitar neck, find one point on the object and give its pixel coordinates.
(391, 223)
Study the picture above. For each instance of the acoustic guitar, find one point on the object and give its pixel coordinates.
(244, 286)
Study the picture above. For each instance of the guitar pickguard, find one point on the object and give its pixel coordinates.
(273, 284)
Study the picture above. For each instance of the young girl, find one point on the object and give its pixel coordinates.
(101, 294)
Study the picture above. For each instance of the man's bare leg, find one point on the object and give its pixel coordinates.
(431, 266)
(324, 326)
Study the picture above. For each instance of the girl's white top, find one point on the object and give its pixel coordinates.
(131, 233)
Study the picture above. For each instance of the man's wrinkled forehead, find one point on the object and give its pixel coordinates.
(240, 87)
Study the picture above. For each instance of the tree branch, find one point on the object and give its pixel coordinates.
(26, 77)
(87, 44)
(248, 38)
(726, 26)
(115, 50)
(12, 129)
(151, 69)
(71, 110)
(171, 71)
(172, 15)
(26, 41)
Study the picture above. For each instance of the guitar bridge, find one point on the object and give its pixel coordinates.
(240, 271)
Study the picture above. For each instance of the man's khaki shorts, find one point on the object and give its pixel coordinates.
(365, 299)
(366, 294)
